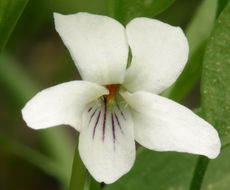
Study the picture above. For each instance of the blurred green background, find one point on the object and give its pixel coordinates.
(35, 58)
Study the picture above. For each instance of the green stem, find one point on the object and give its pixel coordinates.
(77, 181)
(94, 185)
(199, 173)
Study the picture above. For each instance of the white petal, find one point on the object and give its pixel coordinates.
(160, 52)
(97, 44)
(164, 125)
(61, 104)
(108, 159)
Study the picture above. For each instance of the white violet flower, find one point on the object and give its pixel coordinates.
(114, 105)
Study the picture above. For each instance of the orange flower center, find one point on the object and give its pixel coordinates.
(112, 91)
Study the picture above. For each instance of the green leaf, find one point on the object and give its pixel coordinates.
(10, 11)
(215, 83)
(174, 171)
(158, 170)
(221, 5)
(126, 10)
(167, 170)
(217, 176)
(197, 33)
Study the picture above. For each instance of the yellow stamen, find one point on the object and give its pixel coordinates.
(112, 91)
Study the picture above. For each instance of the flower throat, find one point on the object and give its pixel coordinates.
(112, 91)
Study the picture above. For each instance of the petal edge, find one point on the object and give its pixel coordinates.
(160, 52)
(61, 104)
(97, 44)
(164, 125)
(106, 145)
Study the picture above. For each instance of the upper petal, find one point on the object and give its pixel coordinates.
(97, 44)
(160, 52)
(61, 104)
(164, 125)
(106, 143)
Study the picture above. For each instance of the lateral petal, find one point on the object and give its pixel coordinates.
(164, 125)
(61, 104)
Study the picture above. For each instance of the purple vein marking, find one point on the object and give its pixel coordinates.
(91, 117)
(120, 111)
(113, 128)
(104, 123)
(90, 109)
(95, 126)
(118, 122)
